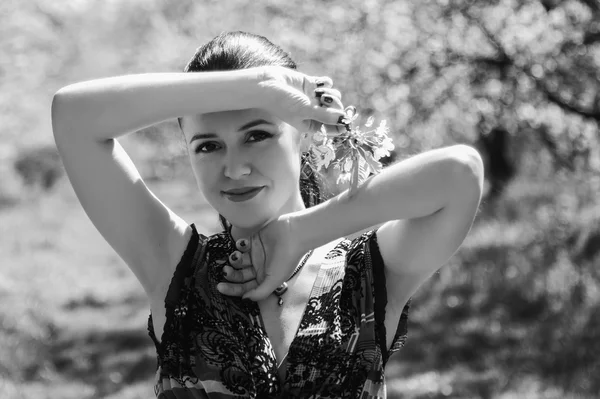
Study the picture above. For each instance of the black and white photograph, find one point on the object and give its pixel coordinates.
(355, 199)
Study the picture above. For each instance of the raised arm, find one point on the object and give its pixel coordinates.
(426, 204)
(88, 117)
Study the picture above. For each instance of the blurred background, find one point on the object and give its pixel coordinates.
(514, 314)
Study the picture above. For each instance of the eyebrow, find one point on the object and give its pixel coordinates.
(248, 125)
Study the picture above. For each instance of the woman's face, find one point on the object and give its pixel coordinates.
(246, 163)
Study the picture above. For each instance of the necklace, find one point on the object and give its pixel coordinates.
(279, 291)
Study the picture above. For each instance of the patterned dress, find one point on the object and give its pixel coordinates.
(216, 346)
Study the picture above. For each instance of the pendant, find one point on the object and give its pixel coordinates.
(279, 291)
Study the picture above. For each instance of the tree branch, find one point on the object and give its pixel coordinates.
(501, 52)
(503, 59)
(551, 146)
(554, 98)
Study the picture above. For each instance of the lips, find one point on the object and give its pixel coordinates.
(243, 190)
(242, 194)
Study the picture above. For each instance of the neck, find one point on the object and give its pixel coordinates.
(294, 204)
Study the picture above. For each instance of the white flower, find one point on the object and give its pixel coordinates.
(384, 148)
(382, 129)
(347, 166)
(343, 178)
(324, 154)
(319, 137)
(354, 154)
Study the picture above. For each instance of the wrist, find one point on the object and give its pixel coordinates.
(321, 224)
(216, 91)
(299, 225)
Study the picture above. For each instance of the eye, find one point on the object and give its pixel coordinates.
(258, 135)
(207, 147)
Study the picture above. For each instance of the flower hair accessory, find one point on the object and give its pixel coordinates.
(354, 154)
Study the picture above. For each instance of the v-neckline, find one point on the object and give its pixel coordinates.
(284, 361)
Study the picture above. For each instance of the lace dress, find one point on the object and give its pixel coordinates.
(216, 346)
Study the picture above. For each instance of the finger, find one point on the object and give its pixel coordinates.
(328, 100)
(243, 245)
(335, 130)
(235, 259)
(323, 81)
(311, 83)
(263, 290)
(233, 289)
(323, 115)
(240, 260)
(332, 131)
(258, 255)
(328, 91)
(239, 275)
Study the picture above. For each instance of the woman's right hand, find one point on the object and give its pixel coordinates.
(303, 101)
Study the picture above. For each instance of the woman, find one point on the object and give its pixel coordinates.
(228, 325)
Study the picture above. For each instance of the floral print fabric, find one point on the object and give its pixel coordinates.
(216, 346)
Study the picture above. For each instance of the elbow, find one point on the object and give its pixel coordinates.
(62, 110)
(469, 170)
(57, 111)
(62, 100)
(61, 97)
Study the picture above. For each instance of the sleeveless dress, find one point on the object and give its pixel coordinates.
(216, 346)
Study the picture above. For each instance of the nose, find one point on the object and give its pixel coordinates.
(236, 165)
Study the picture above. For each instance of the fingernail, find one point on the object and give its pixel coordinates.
(327, 99)
(319, 92)
(242, 243)
(234, 257)
(320, 83)
(223, 274)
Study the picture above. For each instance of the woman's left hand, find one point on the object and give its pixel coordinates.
(274, 253)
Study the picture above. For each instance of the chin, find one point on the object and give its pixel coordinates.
(247, 222)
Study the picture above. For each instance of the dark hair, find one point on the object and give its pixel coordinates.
(240, 50)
